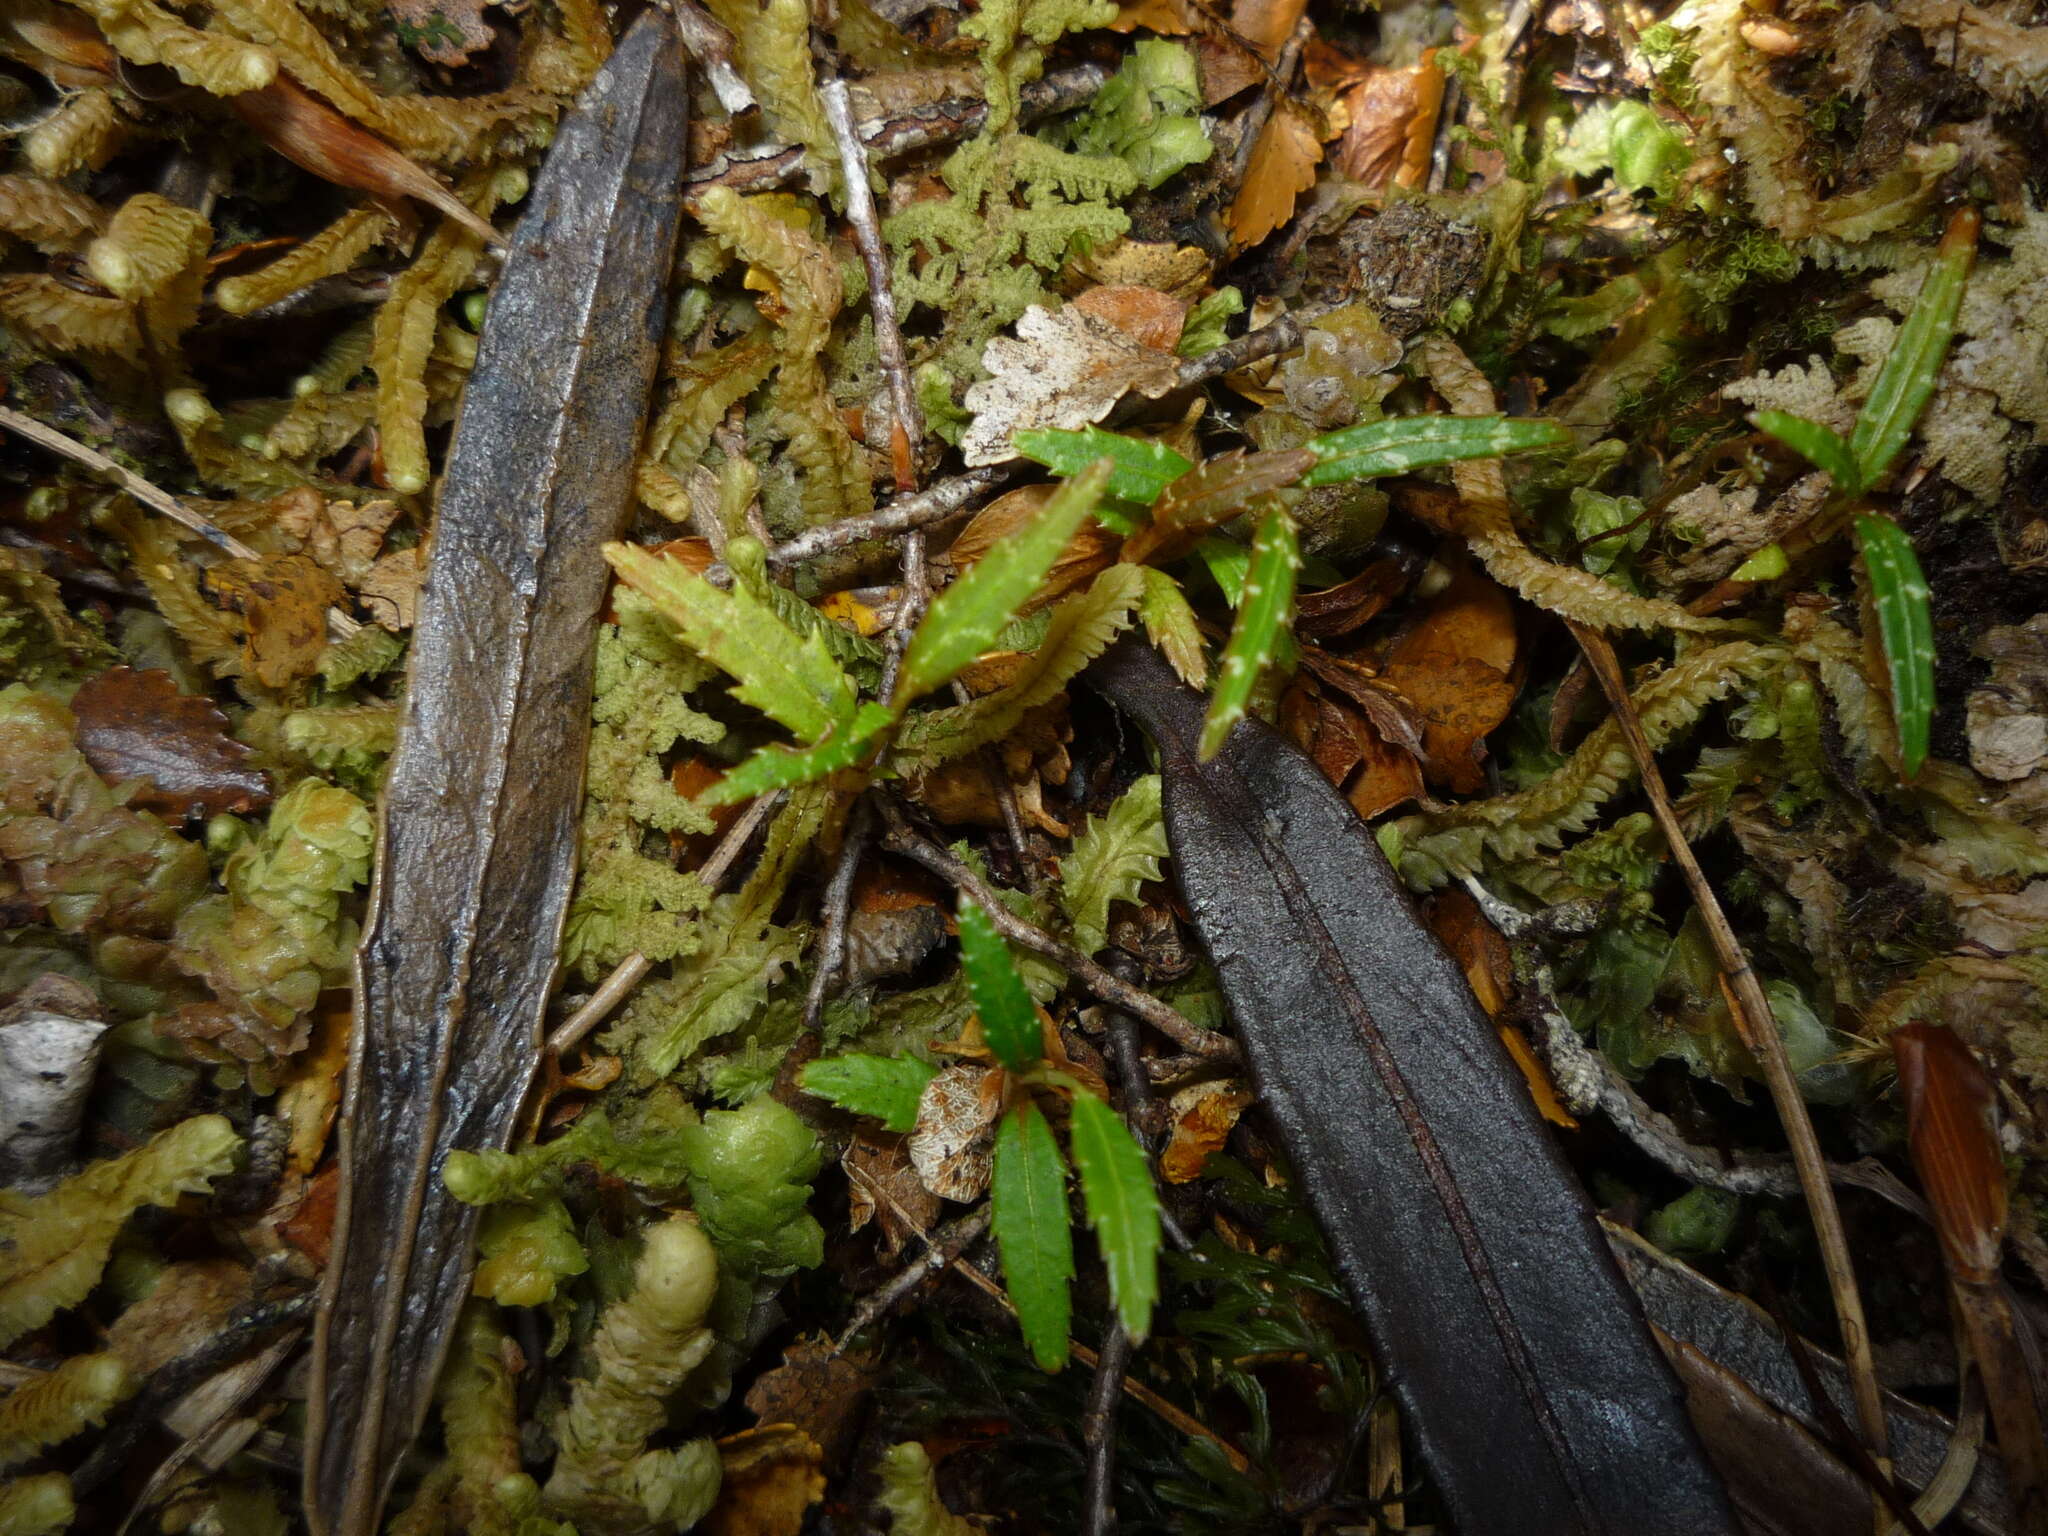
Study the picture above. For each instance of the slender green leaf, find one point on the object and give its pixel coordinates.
(1898, 590)
(1028, 1209)
(1170, 624)
(1822, 446)
(1114, 855)
(1142, 469)
(966, 618)
(1228, 561)
(1404, 443)
(782, 767)
(1123, 1208)
(1906, 380)
(1261, 628)
(886, 1087)
(792, 679)
(1009, 1022)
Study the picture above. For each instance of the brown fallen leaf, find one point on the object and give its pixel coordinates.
(1392, 126)
(883, 1187)
(343, 536)
(1482, 953)
(1091, 550)
(1203, 1116)
(1282, 167)
(185, 1307)
(1226, 66)
(284, 601)
(312, 1085)
(1062, 369)
(1338, 610)
(310, 1227)
(1181, 271)
(441, 31)
(137, 725)
(390, 592)
(820, 1389)
(770, 1477)
(1267, 24)
(1456, 664)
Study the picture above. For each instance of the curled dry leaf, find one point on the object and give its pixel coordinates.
(1351, 605)
(1392, 126)
(137, 725)
(1204, 1115)
(1066, 369)
(956, 1118)
(1282, 167)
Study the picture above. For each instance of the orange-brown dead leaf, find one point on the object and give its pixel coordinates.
(1203, 1116)
(284, 600)
(1392, 126)
(312, 1085)
(316, 138)
(310, 1228)
(1334, 611)
(1952, 1133)
(1489, 967)
(1267, 24)
(1147, 316)
(1282, 167)
(1456, 664)
(770, 1477)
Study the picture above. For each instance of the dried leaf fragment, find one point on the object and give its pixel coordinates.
(138, 725)
(1063, 369)
(284, 599)
(950, 1149)
(1283, 166)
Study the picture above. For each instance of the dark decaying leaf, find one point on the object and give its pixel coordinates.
(472, 887)
(1404, 1117)
(137, 725)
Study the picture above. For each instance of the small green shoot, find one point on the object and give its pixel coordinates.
(1009, 1019)
(1142, 469)
(1898, 591)
(965, 619)
(1261, 627)
(773, 768)
(1402, 444)
(887, 1088)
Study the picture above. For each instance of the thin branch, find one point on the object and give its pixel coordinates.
(935, 504)
(339, 624)
(1283, 335)
(1098, 1430)
(1759, 1029)
(632, 970)
(900, 838)
(778, 165)
(835, 912)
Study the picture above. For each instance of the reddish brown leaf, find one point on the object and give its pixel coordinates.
(1457, 666)
(316, 138)
(818, 1388)
(1203, 1115)
(1341, 609)
(137, 725)
(1952, 1133)
(1149, 317)
(285, 599)
(310, 1228)
(1267, 24)
(1393, 116)
(1283, 166)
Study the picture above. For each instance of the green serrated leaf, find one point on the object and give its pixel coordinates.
(790, 678)
(885, 1087)
(1170, 624)
(1123, 1208)
(1821, 446)
(1114, 855)
(1906, 379)
(1404, 443)
(1898, 590)
(966, 618)
(1260, 630)
(1028, 1209)
(774, 768)
(1009, 1022)
(1142, 469)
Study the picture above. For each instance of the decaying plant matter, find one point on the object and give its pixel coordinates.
(1600, 442)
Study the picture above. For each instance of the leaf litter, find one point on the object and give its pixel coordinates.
(1410, 338)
